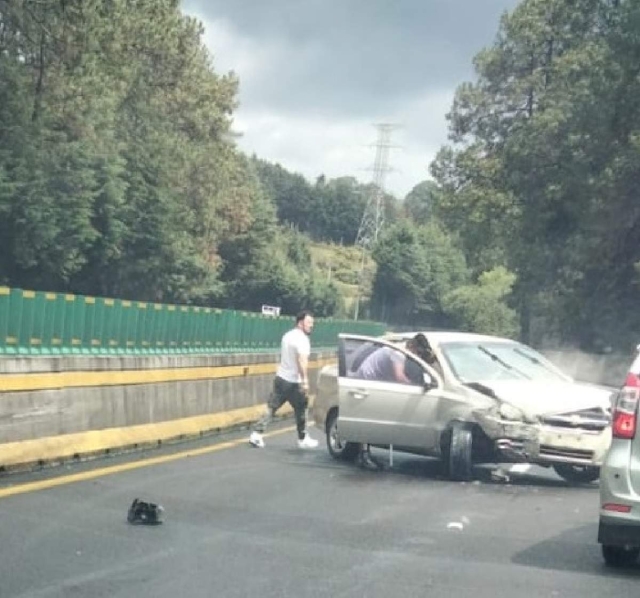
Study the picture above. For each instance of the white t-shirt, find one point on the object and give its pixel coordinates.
(294, 343)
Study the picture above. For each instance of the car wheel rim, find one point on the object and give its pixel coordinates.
(336, 445)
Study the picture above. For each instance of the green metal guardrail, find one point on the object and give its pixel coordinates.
(38, 323)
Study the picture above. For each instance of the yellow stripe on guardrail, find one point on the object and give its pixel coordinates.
(78, 379)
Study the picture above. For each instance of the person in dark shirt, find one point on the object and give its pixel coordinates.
(389, 365)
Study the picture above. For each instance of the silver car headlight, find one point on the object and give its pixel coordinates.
(510, 413)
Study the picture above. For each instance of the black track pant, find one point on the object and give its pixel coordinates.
(284, 391)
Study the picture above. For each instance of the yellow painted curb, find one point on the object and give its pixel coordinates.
(52, 448)
(82, 443)
(77, 379)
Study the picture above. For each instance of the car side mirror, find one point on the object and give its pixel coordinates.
(428, 382)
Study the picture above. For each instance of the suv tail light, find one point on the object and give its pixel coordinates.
(625, 416)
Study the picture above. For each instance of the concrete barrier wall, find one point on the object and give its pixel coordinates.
(65, 407)
(56, 408)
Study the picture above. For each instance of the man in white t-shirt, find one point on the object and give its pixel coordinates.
(291, 383)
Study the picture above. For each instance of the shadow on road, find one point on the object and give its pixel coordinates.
(574, 550)
(416, 467)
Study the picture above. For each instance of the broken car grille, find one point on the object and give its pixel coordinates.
(565, 453)
(587, 419)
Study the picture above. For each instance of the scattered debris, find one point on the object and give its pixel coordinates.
(500, 475)
(145, 513)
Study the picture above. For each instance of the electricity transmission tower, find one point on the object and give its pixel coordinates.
(373, 216)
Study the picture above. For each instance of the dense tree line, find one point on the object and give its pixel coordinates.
(541, 176)
(537, 193)
(119, 176)
(118, 170)
(328, 210)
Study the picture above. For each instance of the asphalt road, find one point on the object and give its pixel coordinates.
(282, 522)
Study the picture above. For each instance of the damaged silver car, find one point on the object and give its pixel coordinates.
(480, 399)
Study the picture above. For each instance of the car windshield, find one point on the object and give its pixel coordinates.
(481, 361)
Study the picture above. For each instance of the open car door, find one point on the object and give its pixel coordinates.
(376, 404)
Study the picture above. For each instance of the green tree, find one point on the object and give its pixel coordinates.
(416, 268)
(483, 307)
(340, 204)
(268, 264)
(329, 210)
(418, 204)
(293, 196)
(122, 178)
(539, 175)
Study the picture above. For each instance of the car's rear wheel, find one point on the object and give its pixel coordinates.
(577, 474)
(620, 556)
(338, 449)
(459, 457)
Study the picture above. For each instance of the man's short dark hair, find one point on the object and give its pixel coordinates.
(421, 345)
(302, 315)
(421, 341)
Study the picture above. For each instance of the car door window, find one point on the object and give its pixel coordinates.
(368, 360)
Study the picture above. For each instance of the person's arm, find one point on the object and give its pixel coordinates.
(398, 368)
(302, 353)
(303, 364)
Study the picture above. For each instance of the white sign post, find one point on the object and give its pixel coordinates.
(270, 310)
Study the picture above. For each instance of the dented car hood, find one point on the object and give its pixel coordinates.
(545, 397)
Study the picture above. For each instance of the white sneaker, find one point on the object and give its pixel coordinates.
(307, 442)
(256, 440)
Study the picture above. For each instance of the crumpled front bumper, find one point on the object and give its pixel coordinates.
(540, 443)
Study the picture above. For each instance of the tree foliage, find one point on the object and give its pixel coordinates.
(118, 171)
(418, 204)
(417, 266)
(119, 176)
(329, 210)
(423, 280)
(542, 170)
(483, 307)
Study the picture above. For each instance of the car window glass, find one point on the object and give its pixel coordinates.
(473, 361)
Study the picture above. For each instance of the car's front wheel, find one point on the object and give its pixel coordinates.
(577, 474)
(338, 449)
(620, 556)
(459, 453)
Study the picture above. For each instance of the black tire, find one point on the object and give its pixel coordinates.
(577, 474)
(620, 556)
(459, 453)
(342, 451)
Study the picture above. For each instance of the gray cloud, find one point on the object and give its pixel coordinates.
(342, 65)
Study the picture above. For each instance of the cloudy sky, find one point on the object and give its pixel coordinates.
(317, 75)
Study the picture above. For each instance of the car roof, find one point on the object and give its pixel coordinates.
(445, 336)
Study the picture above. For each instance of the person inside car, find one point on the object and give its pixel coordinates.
(389, 365)
(384, 365)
